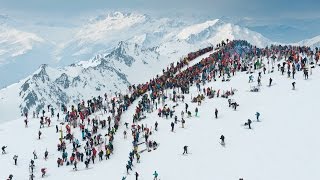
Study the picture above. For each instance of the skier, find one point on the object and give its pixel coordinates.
(185, 149)
(125, 134)
(182, 114)
(222, 139)
(250, 78)
(187, 107)
(15, 158)
(86, 162)
(32, 176)
(257, 115)
(248, 123)
(75, 165)
(175, 119)
(4, 149)
(26, 123)
(216, 113)
(172, 126)
(137, 175)
(35, 155)
(196, 110)
(43, 171)
(183, 122)
(156, 126)
(155, 175)
(293, 85)
(270, 82)
(46, 153)
(39, 134)
(10, 177)
(59, 162)
(31, 166)
(128, 167)
(259, 81)
(57, 129)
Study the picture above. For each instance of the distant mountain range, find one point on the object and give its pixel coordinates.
(111, 52)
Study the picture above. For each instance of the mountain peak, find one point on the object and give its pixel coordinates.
(41, 74)
(117, 15)
(43, 66)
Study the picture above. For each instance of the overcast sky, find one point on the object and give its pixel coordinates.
(243, 8)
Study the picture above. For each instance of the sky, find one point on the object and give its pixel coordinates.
(249, 8)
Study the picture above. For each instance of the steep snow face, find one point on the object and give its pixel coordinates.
(217, 30)
(14, 42)
(313, 42)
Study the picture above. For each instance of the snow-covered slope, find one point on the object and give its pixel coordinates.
(128, 63)
(281, 146)
(313, 42)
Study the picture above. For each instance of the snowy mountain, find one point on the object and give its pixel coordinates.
(64, 44)
(101, 33)
(217, 30)
(62, 86)
(148, 46)
(313, 42)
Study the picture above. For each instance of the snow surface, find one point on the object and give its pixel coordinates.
(281, 146)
